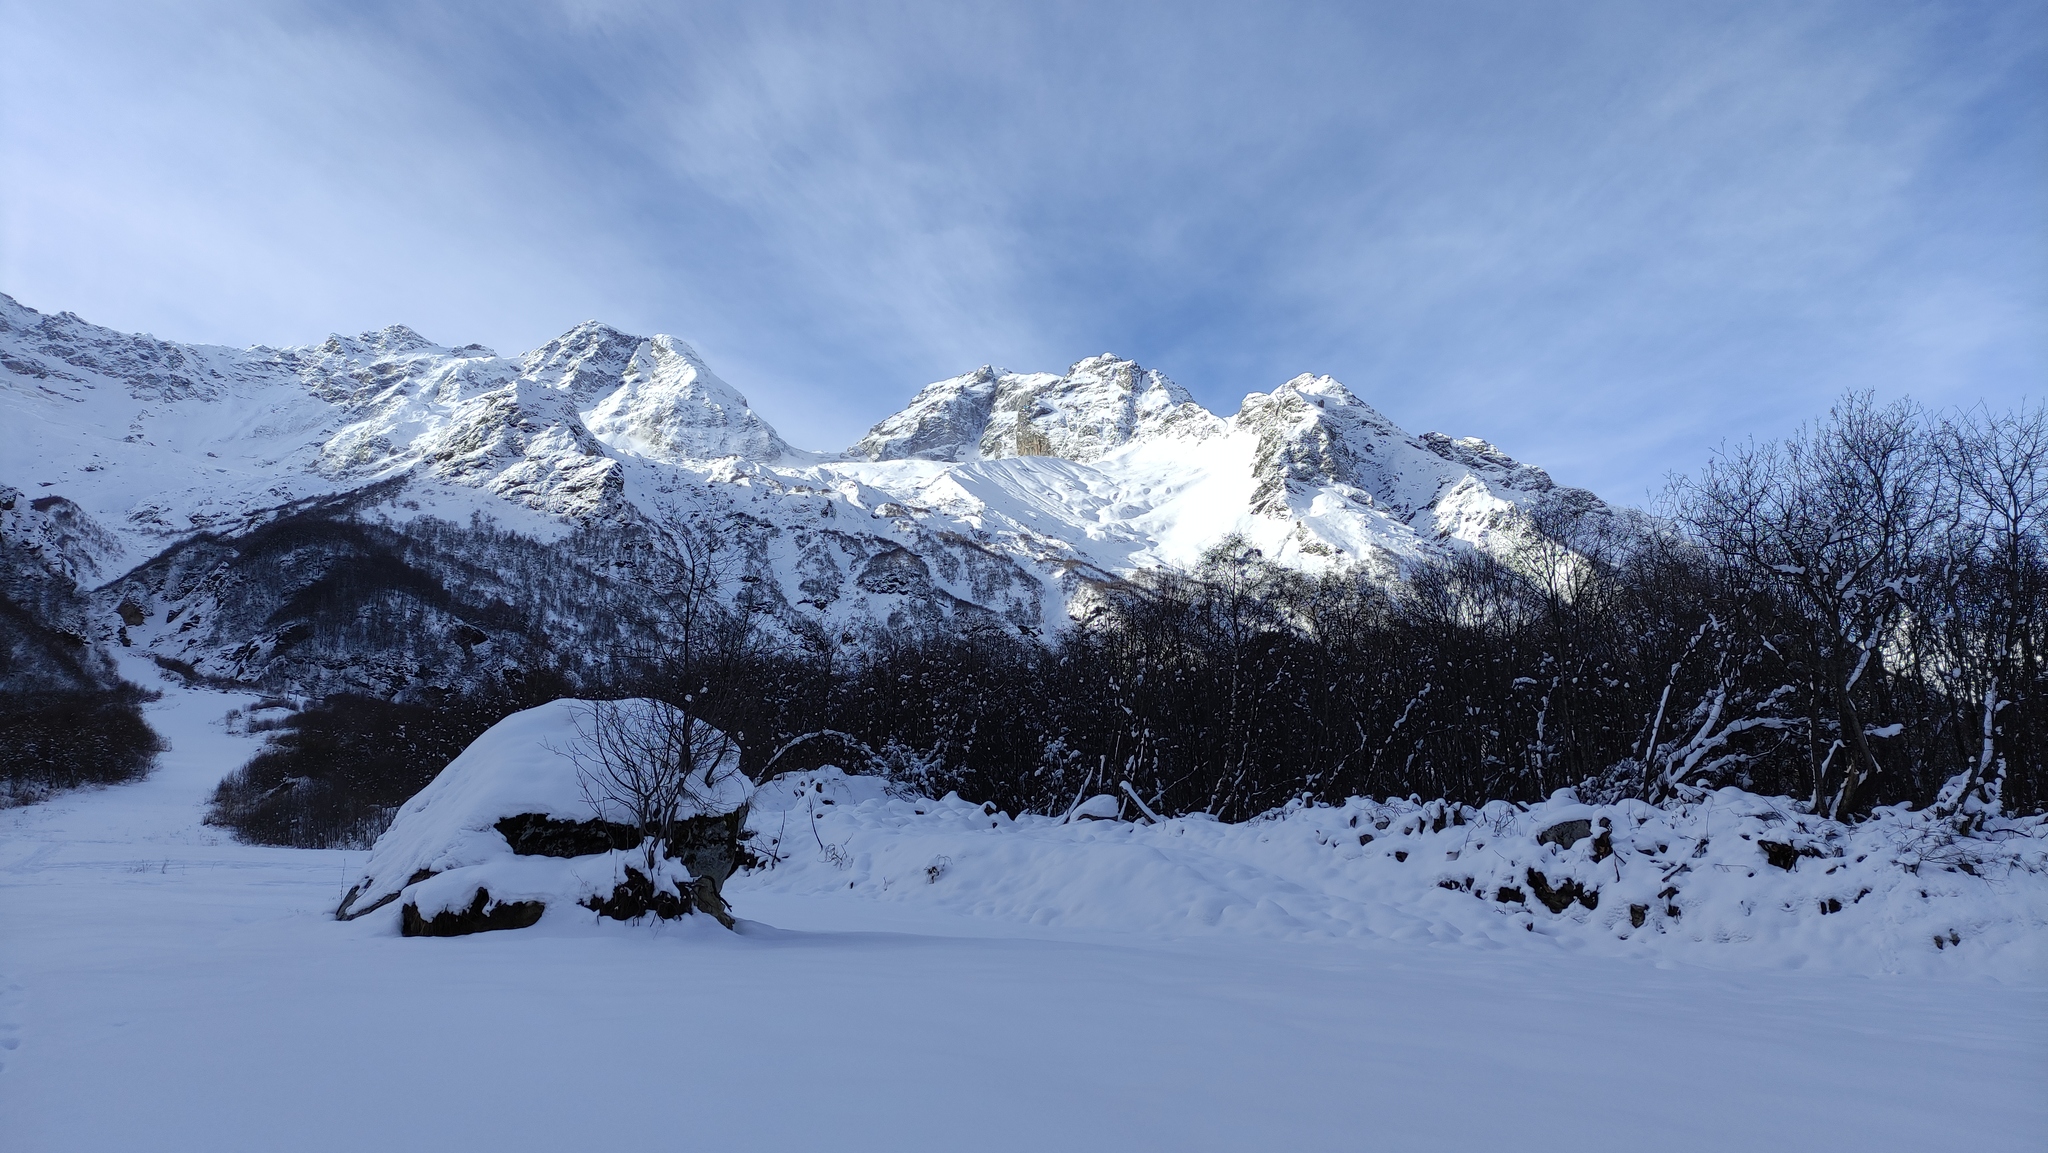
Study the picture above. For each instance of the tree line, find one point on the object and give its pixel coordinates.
(67, 719)
(1853, 616)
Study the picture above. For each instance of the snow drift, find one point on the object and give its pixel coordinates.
(506, 831)
(1729, 878)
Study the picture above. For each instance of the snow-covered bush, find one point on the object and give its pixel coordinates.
(1726, 877)
(512, 827)
(62, 740)
(1726, 866)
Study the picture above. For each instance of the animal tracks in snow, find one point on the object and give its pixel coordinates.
(11, 997)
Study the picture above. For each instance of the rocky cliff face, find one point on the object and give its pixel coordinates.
(381, 511)
(943, 422)
(669, 407)
(1100, 405)
(1307, 472)
(1097, 406)
(1317, 439)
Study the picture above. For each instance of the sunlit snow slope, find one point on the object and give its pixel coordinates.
(188, 483)
(1110, 463)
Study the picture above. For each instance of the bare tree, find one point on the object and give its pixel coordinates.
(1837, 516)
(1987, 617)
(655, 764)
(702, 634)
(665, 757)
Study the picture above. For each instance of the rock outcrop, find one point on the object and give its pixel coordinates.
(510, 828)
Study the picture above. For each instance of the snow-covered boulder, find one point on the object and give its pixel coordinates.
(509, 829)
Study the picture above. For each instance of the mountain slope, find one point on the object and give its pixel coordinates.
(195, 482)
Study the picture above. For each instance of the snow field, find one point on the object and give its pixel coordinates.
(170, 989)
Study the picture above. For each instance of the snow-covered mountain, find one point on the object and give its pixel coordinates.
(258, 513)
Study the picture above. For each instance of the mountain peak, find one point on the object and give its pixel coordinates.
(15, 314)
(1102, 403)
(1099, 404)
(396, 338)
(943, 421)
(586, 362)
(1482, 457)
(391, 340)
(671, 407)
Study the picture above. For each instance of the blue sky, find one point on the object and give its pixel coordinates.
(1604, 236)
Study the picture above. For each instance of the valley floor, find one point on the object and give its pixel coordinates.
(164, 988)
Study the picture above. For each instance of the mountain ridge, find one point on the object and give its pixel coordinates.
(993, 495)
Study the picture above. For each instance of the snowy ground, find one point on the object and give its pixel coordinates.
(162, 987)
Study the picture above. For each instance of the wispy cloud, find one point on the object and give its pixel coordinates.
(1605, 236)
